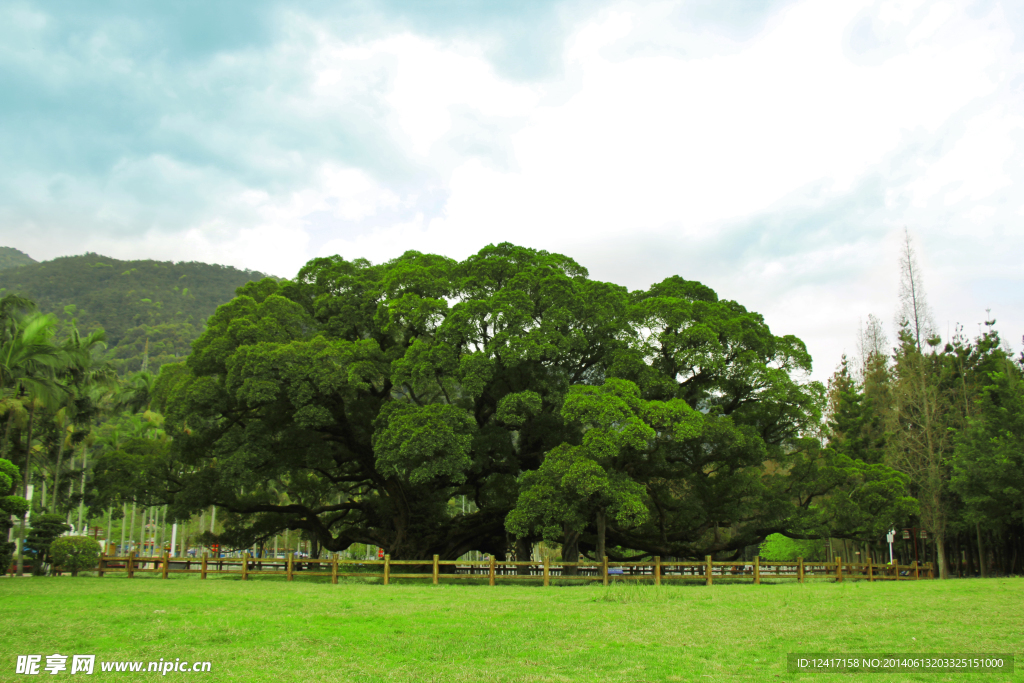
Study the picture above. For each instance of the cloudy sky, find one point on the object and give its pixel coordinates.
(773, 150)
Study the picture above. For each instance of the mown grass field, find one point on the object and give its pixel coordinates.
(269, 630)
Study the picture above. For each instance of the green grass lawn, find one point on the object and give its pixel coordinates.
(269, 630)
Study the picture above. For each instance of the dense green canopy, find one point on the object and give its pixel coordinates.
(356, 401)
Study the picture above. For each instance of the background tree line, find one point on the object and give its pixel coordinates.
(949, 415)
(71, 392)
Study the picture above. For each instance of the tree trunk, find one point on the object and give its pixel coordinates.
(81, 503)
(940, 554)
(28, 465)
(131, 528)
(71, 488)
(124, 518)
(600, 521)
(60, 459)
(956, 554)
(523, 552)
(158, 531)
(981, 553)
(106, 533)
(142, 533)
(570, 549)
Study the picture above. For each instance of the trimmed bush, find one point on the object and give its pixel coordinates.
(45, 530)
(74, 553)
(779, 548)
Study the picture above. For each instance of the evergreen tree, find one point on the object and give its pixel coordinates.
(987, 462)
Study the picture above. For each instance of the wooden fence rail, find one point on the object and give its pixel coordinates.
(656, 571)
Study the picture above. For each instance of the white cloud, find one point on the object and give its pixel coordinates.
(659, 142)
(938, 14)
(778, 167)
(976, 165)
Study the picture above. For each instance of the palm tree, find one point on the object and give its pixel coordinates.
(12, 308)
(65, 439)
(83, 377)
(29, 362)
(138, 394)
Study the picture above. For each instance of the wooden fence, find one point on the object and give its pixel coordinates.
(656, 571)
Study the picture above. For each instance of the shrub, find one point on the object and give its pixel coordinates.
(9, 505)
(6, 556)
(45, 530)
(74, 553)
(779, 548)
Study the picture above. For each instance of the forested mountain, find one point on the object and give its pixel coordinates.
(10, 258)
(133, 301)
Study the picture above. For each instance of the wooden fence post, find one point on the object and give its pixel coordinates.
(757, 569)
(387, 569)
(202, 573)
(291, 565)
(931, 571)
(245, 566)
(800, 569)
(657, 570)
(334, 569)
(896, 566)
(547, 581)
(435, 570)
(839, 570)
(604, 570)
(917, 572)
(871, 573)
(165, 563)
(99, 571)
(131, 565)
(491, 573)
(707, 570)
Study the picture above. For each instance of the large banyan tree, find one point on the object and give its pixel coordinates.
(357, 401)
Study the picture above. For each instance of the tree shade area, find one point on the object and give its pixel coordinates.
(428, 406)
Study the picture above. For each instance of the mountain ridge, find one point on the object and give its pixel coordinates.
(160, 302)
(12, 258)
